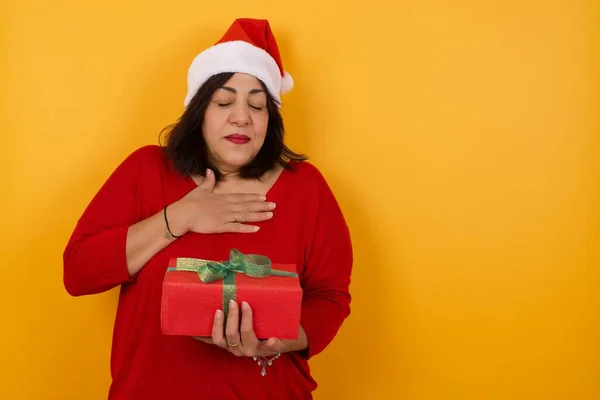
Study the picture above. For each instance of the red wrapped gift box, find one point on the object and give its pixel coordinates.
(188, 304)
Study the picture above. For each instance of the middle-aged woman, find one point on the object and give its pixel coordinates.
(224, 179)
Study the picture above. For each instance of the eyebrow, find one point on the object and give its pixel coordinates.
(232, 90)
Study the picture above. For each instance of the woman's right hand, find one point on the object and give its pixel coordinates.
(203, 211)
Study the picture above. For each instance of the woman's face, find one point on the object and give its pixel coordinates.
(235, 122)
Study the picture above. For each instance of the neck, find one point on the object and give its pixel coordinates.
(227, 172)
(230, 175)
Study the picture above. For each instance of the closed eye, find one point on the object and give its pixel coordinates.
(256, 108)
(224, 104)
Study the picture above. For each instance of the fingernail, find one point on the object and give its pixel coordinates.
(272, 206)
(232, 304)
(263, 198)
(218, 313)
(269, 214)
(245, 306)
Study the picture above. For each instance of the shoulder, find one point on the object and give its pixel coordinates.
(309, 179)
(147, 162)
(313, 193)
(145, 158)
(147, 153)
(307, 172)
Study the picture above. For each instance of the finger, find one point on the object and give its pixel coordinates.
(247, 331)
(232, 331)
(244, 197)
(218, 338)
(249, 216)
(237, 228)
(274, 345)
(248, 206)
(209, 180)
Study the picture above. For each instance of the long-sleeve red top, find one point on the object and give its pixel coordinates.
(307, 229)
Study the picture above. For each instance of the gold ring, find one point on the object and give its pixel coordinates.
(231, 345)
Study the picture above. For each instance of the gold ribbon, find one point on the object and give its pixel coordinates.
(254, 265)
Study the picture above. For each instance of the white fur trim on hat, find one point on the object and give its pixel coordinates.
(237, 56)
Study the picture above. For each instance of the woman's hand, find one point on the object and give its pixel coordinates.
(239, 337)
(203, 211)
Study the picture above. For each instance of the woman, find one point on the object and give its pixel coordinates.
(223, 180)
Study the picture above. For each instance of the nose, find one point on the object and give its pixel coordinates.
(240, 115)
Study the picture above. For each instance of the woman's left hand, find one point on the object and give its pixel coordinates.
(239, 337)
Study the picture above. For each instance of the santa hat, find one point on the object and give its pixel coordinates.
(248, 47)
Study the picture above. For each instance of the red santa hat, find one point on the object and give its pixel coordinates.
(248, 46)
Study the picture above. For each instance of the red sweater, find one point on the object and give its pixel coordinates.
(307, 229)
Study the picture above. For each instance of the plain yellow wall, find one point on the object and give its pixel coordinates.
(461, 138)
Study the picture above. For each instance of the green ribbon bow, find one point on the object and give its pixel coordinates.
(254, 265)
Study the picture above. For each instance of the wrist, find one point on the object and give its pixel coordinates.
(295, 345)
(176, 218)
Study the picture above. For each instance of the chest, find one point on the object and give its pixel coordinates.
(283, 239)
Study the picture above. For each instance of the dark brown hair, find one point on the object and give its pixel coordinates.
(186, 147)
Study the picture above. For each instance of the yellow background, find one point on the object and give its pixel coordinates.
(461, 138)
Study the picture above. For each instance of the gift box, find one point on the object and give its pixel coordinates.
(193, 289)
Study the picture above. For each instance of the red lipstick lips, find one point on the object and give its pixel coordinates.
(238, 139)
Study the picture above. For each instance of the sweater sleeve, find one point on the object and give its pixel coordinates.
(326, 276)
(94, 259)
